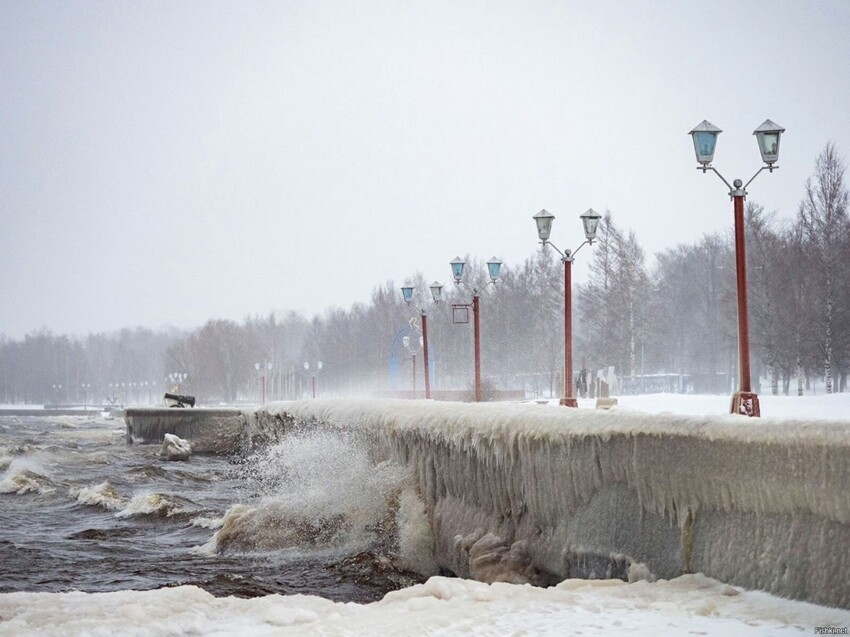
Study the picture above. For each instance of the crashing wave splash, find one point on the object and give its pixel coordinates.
(23, 476)
(327, 491)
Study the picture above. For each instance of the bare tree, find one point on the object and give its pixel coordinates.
(823, 216)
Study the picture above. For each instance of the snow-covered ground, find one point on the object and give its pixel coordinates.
(688, 605)
(820, 407)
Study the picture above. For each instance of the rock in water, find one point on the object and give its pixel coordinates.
(174, 448)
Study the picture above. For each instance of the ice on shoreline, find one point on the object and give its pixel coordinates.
(691, 604)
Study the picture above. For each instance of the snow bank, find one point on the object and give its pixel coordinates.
(527, 493)
(691, 604)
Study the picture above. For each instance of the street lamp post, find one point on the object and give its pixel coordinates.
(494, 267)
(315, 373)
(261, 370)
(437, 295)
(744, 401)
(405, 341)
(85, 387)
(589, 222)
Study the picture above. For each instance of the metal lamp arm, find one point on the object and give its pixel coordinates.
(464, 284)
(716, 172)
(584, 243)
(771, 168)
(547, 242)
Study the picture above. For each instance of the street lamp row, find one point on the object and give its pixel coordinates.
(458, 266)
(704, 135)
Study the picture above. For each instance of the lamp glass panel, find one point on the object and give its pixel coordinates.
(769, 146)
(494, 267)
(590, 225)
(544, 227)
(704, 145)
(407, 293)
(437, 292)
(457, 269)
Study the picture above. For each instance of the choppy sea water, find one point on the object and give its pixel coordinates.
(82, 510)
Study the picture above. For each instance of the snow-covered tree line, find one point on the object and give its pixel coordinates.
(675, 315)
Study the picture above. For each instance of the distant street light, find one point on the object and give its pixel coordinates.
(261, 370)
(494, 267)
(437, 296)
(86, 387)
(589, 222)
(405, 341)
(176, 378)
(315, 373)
(744, 401)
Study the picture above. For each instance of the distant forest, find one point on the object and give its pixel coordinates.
(676, 318)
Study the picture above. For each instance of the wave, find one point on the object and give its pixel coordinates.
(148, 471)
(24, 475)
(157, 504)
(320, 490)
(103, 495)
(152, 472)
(208, 523)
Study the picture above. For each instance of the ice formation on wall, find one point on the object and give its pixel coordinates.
(531, 493)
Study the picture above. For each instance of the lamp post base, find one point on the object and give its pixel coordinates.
(568, 402)
(745, 403)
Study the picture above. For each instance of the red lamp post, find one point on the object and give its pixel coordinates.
(744, 401)
(589, 220)
(405, 341)
(261, 370)
(494, 268)
(314, 374)
(437, 296)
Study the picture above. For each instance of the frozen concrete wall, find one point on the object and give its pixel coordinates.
(215, 431)
(530, 493)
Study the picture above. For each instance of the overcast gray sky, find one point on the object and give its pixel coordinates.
(162, 163)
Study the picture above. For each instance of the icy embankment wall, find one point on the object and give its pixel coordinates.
(215, 431)
(529, 493)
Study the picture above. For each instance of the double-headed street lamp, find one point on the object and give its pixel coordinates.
(494, 268)
(437, 296)
(261, 371)
(315, 373)
(589, 221)
(744, 401)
